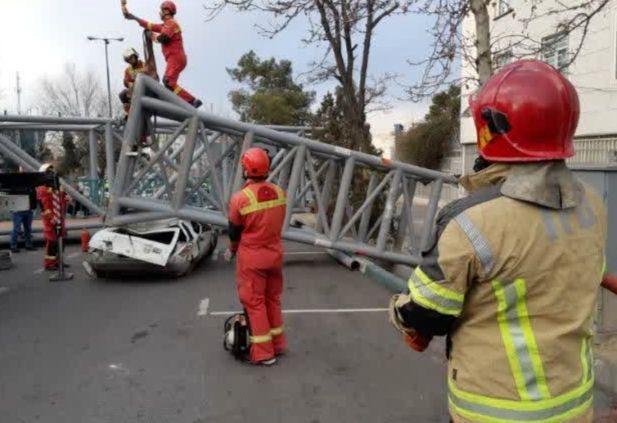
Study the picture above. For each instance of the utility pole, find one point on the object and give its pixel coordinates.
(107, 41)
(18, 90)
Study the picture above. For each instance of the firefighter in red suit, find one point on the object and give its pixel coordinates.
(256, 215)
(169, 35)
(135, 67)
(53, 210)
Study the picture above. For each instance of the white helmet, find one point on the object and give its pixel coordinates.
(128, 53)
(45, 167)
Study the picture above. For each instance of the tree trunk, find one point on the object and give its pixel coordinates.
(484, 63)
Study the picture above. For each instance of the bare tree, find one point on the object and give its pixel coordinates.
(73, 93)
(480, 46)
(346, 28)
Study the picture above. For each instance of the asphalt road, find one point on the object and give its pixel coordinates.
(149, 350)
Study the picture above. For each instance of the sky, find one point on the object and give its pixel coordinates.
(40, 36)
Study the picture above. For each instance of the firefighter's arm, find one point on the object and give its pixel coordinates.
(150, 26)
(437, 287)
(235, 222)
(167, 31)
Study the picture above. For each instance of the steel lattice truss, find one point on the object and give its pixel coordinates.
(201, 157)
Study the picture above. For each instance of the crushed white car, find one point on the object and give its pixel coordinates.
(172, 247)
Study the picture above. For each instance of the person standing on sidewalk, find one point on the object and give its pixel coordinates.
(22, 220)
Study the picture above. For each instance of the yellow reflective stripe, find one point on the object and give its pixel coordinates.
(603, 265)
(261, 339)
(177, 89)
(255, 206)
(586, 359)
(530, 339)
(428, 294)
(149, 25)
(519, 341)
(502, 319)
(276, 331)
(50, 257)
(480, 408)
(250, 194)
(438, 289)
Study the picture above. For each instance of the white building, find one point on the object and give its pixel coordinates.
(593, 73)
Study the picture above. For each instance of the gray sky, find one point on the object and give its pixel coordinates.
(40, 36)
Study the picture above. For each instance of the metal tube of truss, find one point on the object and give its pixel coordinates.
(430, 213)
(187, 160)
(157, 157)
(54, 120)
(277, 158)
(368, 210)
(175, 112)
(218, 188)
(221, 159)
(127, 219)
(298, 166)
(327, 188)
(180, 109)
(373, 192)
(246, 144)
(350, 247)
(109, 154)
(131, 132)
(288, 157)
(93, 153)
(186, 212)
(393, 195)
(342, 198)
(313, 176)
(19, 157)
(307, 187)
(407, 230)
(47, 127)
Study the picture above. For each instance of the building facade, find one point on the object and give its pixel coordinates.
(516, 33)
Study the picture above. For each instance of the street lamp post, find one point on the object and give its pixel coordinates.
(107, 41)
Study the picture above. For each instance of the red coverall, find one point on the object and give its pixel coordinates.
(260, 210)
(130, 74)
(173, 50)
(53, 209)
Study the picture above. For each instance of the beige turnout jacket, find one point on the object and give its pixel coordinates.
(518, 263)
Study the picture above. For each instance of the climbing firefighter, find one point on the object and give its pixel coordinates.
(53, 202)
(169, 34)
(135, 67)
(512, 273)
(256, 215)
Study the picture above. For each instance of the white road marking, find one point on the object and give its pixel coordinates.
(73, 255)
(41, 270)
(312, 311)
(4, 289)
(203, 307)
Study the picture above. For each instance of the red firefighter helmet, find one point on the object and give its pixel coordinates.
(526, 112)
(169, 5)
(255, 162)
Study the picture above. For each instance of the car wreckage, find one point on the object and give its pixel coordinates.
(171, 247)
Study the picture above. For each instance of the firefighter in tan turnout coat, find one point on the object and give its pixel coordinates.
(513, 271)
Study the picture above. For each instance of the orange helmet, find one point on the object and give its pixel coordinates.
(526, 112)
(255, 162)
(169, 5)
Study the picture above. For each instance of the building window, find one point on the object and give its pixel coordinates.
(503, 7)
(555, 51)
(502, 59)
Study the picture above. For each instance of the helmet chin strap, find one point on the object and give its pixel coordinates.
(480, 164)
